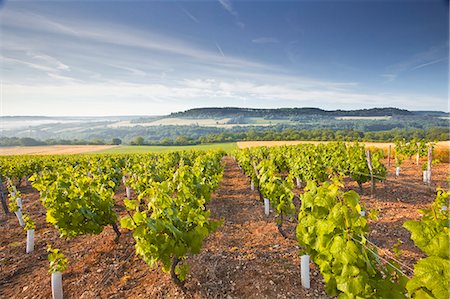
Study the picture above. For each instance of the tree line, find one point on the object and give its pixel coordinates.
(430, 134)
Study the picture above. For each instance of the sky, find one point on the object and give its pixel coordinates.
(99, 58)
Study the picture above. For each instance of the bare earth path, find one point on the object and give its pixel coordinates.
(250, 257)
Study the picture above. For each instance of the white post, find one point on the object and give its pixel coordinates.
(298, 181)
(20, 217)
(252, 185)
(19, 202)
(425, 176)
(124, 179)
(430, 159)
(30, 240)
(397, 171)
(128, 192)
(57, 291)
(266, 206)
(304, 271)
(389, 157)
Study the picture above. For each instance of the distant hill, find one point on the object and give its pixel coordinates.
(294, 112)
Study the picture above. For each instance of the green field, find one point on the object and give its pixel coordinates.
(127, 149)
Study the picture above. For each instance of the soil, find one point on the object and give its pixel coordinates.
(53, 149)
(245, 258)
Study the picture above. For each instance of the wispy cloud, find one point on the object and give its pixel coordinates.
(185, 93)
(389, 77)
(265, 40)
(91, 46)
(429, 63)
(55, 62)
(220, 49)
(50, 60)
(228, 6)
(190, 16)
(433, 55)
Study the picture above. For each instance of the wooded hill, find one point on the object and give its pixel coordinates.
(296, 112)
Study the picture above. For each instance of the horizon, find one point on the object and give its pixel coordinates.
(109, 58)
(216, 107)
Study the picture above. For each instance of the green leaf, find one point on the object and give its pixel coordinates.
(127, 222)
(431, 276)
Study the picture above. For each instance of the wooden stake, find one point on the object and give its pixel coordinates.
(255, 168)
(430, 159)
(389, 157)
(369, 164)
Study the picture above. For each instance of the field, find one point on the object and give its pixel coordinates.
(111, 149)
(246, 144)
(53, 149)
(364, 117)
(441, 151)
(204, 122)
(160, 148)
(78, 149)
(245, 258)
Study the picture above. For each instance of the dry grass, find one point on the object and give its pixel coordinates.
(441, 145)
(53, 149)
(246, 144)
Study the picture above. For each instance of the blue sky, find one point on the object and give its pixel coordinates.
(157, 57)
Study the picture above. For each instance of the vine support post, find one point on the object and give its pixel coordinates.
(30, 241)
(430, 159)
(369, 164)
(266, 206)
(57, 291)
(304, 271)
(389, 157)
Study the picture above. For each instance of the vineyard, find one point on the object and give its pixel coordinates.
(203, 224)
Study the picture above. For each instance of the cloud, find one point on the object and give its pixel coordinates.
(54, 63)
(220, 49)
(185, 93)
(50, 60)
(265, 40)
(190, 16)
(125, 36)
(228, 6)
(89, 52)
(433, 55)
(429, 63)
(389, 77)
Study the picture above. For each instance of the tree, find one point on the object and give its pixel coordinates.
(139, 140)
(181, 140)
(116, 141)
